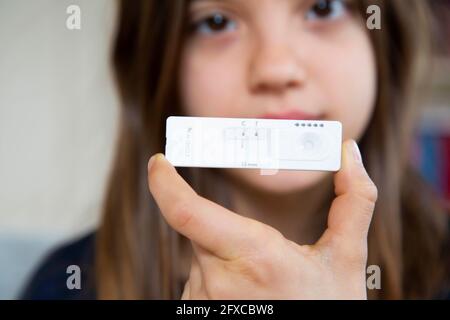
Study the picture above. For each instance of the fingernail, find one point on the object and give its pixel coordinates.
(153, 159)
(356, 153)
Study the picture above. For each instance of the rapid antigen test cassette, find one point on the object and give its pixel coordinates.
(253, 143)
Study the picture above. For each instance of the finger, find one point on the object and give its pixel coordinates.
(209, 225)
(352, 209)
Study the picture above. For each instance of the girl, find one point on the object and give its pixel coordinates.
(231, 233)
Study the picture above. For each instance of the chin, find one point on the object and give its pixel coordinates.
(282, 182)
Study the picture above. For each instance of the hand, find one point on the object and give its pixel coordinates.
(235, 257)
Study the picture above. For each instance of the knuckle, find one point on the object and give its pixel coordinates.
(256, 233)
(263, 240)
(366, 207)
(369, 191)
(258, 268)
(261, 233)
(182, 213)
(263, 261)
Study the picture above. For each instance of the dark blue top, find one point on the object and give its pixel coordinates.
(49, 281)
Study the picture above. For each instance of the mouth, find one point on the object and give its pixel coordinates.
(292, 115)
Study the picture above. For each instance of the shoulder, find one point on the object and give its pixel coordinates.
(49, 280)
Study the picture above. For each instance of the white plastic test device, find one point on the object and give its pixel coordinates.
(253, 143)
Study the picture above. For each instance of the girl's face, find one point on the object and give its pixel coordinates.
(302, 59)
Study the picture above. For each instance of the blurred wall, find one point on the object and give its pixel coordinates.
(58, 119)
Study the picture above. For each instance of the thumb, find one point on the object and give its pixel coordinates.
(352, 209)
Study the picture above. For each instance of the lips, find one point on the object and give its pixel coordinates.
(291, 115)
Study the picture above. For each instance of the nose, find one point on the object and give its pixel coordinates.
(275, 68)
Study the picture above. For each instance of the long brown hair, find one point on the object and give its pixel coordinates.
(137, 254)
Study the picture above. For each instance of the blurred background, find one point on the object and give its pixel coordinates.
(58, 120)
(58, 111)
(432, 152)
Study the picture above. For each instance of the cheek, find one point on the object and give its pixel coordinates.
(211, 86)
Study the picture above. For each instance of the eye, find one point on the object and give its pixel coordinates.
(213, 24)
(326, 10)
